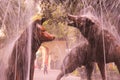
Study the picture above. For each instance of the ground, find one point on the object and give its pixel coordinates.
(52, 74)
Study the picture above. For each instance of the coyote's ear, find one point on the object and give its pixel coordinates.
(72, 17)
(89, 22)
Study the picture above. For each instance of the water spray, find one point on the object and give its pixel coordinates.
(18, 25)
(103, 40)
(6, 11)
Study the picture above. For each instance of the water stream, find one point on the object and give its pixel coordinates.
(16, 17)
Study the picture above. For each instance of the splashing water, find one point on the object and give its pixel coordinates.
(29, 51)
(105, 13)
(15, 17)
(103, 17)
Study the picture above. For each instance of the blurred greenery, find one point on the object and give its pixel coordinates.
(56, 24)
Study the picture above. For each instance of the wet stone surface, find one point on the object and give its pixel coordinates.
(52, 74)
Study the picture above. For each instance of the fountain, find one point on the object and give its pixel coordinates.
(101, 34)
(17, 49)
(15, 19)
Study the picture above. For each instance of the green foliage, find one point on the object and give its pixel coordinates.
(56, 12)
(56, 23)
